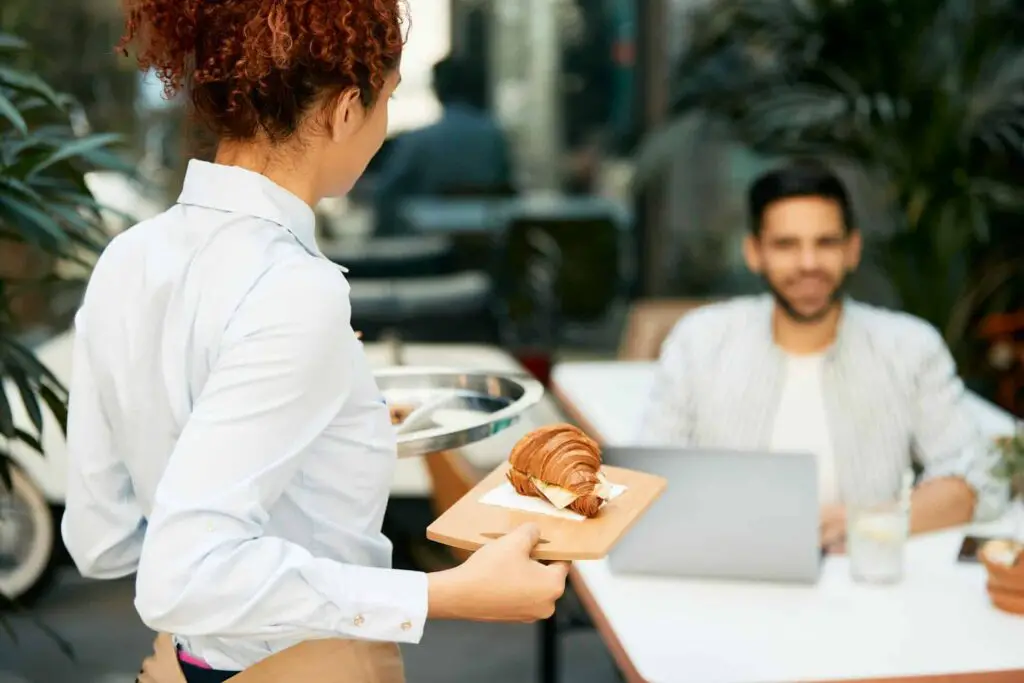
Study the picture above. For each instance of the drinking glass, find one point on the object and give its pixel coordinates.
(876, 539)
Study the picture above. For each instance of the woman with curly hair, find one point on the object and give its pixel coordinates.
(227, 441)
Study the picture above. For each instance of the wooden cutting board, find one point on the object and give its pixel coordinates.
(470, 524)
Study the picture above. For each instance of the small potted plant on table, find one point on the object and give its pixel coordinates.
(1004, 559)
(1011, 468)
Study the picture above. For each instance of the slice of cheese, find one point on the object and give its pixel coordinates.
(559, 497)
(562, 498)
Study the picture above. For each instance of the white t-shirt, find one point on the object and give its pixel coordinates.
(801, 424)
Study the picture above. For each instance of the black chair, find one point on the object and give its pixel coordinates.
(441, 308)
(554, 270)
(394, 257)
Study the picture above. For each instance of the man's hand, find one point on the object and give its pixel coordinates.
(162, 666)
(833, 528)
(941, 503)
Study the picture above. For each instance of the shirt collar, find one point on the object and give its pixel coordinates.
(237, 190)
(845, 327)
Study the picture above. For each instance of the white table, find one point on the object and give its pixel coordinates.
(936, 626)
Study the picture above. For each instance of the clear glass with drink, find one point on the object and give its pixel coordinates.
(876, 539)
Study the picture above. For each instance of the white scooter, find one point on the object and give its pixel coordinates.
(30, 516)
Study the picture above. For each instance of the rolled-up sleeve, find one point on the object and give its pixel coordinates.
(207, 565)
(947, 437)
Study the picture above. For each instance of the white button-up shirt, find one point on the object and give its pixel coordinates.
(226, 438)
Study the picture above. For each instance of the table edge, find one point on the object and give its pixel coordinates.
(605, 629)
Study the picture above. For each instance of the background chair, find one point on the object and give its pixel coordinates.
(556, 270)
(648, 323)
(393, 257)
(444, 308)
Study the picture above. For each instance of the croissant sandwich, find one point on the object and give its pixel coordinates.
(562, 465)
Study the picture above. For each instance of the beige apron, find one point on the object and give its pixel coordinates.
(329, 661)
(323, 661)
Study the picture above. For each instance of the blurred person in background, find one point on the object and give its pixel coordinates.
(807, 369)
(465, 152)
(227, 441)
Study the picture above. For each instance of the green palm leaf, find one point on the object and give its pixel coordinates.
(44, 202)
(13, 116)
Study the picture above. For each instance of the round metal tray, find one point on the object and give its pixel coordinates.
(453, 408)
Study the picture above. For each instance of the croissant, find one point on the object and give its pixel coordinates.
(562, 465)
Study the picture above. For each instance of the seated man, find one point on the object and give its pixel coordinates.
(806, 369)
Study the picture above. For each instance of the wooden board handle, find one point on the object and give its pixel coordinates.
(494, 535)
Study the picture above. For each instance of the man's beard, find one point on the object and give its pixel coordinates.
(807, 318)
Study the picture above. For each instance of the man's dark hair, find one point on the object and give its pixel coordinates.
(456, 80)
(803, 178)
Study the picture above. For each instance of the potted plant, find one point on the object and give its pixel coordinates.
(921, 97)
(1011, 468)
(50, 231)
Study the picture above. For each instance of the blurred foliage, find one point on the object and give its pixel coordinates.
(1011, 459)
(45, 209)
(925, 96)
(78, 58)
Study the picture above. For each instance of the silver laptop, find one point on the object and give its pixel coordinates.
(724, 515)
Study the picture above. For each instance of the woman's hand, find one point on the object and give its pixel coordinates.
(162, 666)
(499, 582)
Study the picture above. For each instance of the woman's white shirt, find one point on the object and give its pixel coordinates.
(226, 438)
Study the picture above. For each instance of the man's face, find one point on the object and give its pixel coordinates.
(804, 254)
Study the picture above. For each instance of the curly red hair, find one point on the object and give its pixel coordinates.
(256, 67)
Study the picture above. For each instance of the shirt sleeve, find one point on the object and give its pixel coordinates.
(947, 438)
(103, 523)
(668, 414)
(208, 566)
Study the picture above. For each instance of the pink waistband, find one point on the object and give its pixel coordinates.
(193, 660)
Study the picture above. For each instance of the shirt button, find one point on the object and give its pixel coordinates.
(406, 625)
(359, 620)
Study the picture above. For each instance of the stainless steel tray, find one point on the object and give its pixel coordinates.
(452, 408)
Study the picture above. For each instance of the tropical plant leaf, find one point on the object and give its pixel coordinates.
(28, 399)
(57, 403)
(9, 43)
(6, 485)
(29, 83)
(11, 113)
(80, 147)
(7, 429)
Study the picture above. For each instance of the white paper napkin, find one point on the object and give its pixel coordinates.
(506, 497)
